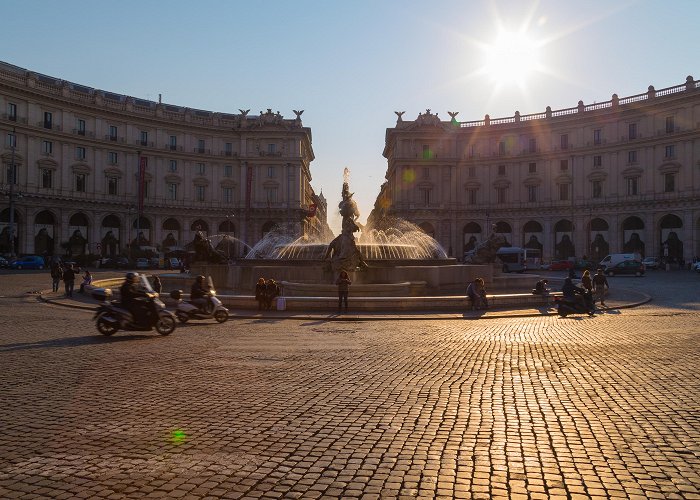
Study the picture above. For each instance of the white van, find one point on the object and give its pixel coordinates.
(615, 258)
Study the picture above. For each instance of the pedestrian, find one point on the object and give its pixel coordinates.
(476, 292)
(343, 283)
(87, 280)
(272, 290)
(157, 285)
(260, 293)
(600, 285)
(69, 279)
(586, 280)
(56, 275)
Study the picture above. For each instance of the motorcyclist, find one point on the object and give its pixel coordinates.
(130, 291)
(570, 292)
(199, 294)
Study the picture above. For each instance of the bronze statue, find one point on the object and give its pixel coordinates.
(343, 251)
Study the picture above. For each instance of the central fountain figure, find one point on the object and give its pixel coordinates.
(343, 251)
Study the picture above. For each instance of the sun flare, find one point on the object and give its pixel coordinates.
(512, 57)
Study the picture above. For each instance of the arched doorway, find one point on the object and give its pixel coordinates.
(505, 230)
(227, 227)
(142, 225)
(5, 245)
(427, 228)
(563, 241)
(471, 236)
(632, 229)
(598, 236)
(201, 226)
(533, 235)
(171, 228)
(44, 224)
(78, 231)
(110, 236)
(671, 243)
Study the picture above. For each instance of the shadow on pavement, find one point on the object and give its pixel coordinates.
(73, 342)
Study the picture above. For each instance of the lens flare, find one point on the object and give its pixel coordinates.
(178, 436)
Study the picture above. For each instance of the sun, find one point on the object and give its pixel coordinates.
(512, 57)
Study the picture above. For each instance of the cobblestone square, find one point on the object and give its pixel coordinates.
(516, 407)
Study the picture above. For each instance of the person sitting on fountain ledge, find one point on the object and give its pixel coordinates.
(476, 293)
(272, 290)
(260, 293)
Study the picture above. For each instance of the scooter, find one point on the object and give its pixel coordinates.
(565, 307)
(186, 311)
(111, 317)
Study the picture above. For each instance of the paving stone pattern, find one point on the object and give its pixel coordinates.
(532, 407)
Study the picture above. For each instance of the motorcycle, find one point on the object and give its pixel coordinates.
(110, 316)
(579, 306)
(186, 311)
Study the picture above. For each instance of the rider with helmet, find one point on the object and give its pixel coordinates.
(130, 291)
(199, 293)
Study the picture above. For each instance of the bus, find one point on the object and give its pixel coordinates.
(518, 260)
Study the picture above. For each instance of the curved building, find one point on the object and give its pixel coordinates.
(88, 171)
(615, 176)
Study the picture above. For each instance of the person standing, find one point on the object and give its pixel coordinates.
(600, 285)
(87, 280)
(343, 283)
(69, 279)
(56, 275)
(586, 280)
(157, 285)
(260, 293)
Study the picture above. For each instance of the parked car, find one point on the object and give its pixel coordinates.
(696, 267)
(626, 267)
(561, 265)
(142, 263)
(29, 262)
(4, 263)
(172, 263)
(585, 264)
(154, 263)
(651, 263)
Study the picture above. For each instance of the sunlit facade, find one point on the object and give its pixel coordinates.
(621, 175)
(76, 153)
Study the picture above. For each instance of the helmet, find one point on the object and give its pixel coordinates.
(200, 278)
(132, 276)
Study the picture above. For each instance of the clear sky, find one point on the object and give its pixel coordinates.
(350, 64)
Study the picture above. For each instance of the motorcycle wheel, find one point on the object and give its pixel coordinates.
(221, 316)
(106, 328)
(165, 325)
(183, 317)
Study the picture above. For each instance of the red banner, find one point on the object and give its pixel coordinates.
(142, 180)
(312, 211)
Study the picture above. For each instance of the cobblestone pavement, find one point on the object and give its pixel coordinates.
(530, 407)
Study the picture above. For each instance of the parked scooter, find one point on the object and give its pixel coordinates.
(110, 316)
(582, 305)
(212, 309)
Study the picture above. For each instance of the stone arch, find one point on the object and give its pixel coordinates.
(533, 235)
(44, 233)
(563, 239)
(599, 239)
(228, 227)
(143, 228)
(172, 229)
(200, 225)
(110, 235)
(78, 231)
(670, 226)
(505, 229)
(5, 246)
(632, 231)
(471, 236)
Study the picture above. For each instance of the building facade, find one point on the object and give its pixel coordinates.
(615, 176)
(88, 171)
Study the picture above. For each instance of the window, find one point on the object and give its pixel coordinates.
(633, 186)
(596, 137)
(532, 194)
(199, 168)
(501, 170)
(563, 192)
(80, 153)
(597, 161)
(426, 173)
(200, 146)
(271, 172)
(532, 145)
(669, 183)
(112, 185)
(563, 165)
(501, 195)
(48, 119)
(172, 143)
(670, 152)
(112, 133)
(113, 158)
(172, 166)
(472, 172)
(199, 192)
(532, 168)
(228, 149)
(81, 127)
(11, 141)
(631, 157)
(502, 148)
(427, 154)
(272, 148)
(46, 178)
(564, 141)
(47, 147)
(171, 189)
(471, 196)
(670, 128)
(425, 196)
(144, 138)
(12, 111)
(227, 195)
(80, 183)
(271, 195)
(596, 189)
(632, 131)
(11, 174)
